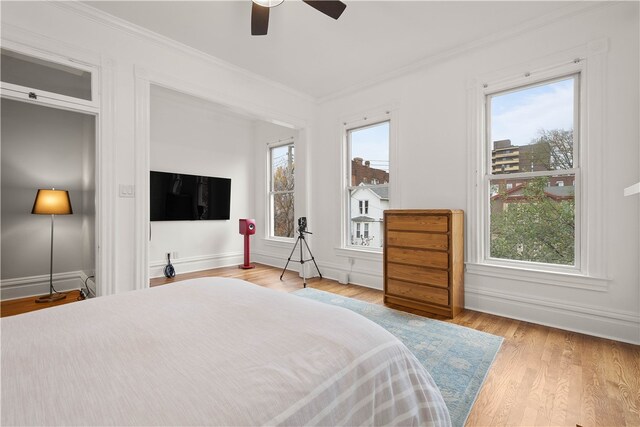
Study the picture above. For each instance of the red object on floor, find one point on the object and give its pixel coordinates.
(247, 228)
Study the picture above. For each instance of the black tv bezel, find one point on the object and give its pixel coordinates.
(192, 219)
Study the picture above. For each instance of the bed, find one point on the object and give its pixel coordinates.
(211, 351)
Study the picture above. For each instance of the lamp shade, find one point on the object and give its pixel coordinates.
(268, 3)
(52, 202)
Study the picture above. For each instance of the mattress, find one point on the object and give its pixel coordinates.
(211, 351)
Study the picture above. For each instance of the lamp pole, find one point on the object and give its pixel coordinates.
(51, 261)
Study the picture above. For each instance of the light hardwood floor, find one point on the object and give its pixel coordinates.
(541, 377)
(25, 305)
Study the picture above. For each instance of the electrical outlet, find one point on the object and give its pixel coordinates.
(174, 255)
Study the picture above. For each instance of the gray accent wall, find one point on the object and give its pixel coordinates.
(44, 147)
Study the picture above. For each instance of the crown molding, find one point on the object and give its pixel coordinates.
(104, 18)
(565, 12)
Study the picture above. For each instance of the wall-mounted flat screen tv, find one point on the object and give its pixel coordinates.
(182, 197)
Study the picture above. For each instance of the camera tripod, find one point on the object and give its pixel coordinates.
(301, 238)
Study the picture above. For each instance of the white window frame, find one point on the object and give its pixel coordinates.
(364, 122)
(22, 93)
(514, 86)
(590, 271)
(270, 229)
(391, 112)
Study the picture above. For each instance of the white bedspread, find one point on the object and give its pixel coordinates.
(210, 351)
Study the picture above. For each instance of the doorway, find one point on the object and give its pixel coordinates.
(43, 147)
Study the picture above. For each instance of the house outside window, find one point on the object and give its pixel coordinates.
(367, 186)
(281, 191)
(532, 196)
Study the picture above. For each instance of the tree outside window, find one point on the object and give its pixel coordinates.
(532, 191)
(281, 194)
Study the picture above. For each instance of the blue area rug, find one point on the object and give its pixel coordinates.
(457, 358)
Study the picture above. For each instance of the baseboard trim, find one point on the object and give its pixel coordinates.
(596, 321)
(198, 263)
(329, 270)
(355, 276)
(22, 287)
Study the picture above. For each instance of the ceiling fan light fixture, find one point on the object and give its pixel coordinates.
(268, 3)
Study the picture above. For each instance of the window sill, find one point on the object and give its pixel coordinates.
(569, 280)
(364, 254)
(278, 242)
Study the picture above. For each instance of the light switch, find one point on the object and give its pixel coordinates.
(127, 190)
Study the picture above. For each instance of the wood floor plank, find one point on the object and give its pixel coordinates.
(26, 305)
(541, 376)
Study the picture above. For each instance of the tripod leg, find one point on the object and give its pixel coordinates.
(304, 279)
(312, 258)
(289, 259)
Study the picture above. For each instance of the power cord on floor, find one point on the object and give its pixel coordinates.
(86, 292)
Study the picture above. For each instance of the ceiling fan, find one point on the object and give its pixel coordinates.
(260, 12)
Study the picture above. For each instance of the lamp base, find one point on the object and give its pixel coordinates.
(51, 298)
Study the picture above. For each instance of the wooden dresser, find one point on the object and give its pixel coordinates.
(424, 260)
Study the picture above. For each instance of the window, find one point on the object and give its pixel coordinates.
(48, 79)
(367, 183)
(532, 208)
(364, 206)
(281, 191)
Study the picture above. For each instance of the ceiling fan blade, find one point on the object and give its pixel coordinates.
(259, 20)
(332, 8)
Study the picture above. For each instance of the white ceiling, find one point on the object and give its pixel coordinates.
(319, 56)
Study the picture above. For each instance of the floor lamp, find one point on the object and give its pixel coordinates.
(52, 202)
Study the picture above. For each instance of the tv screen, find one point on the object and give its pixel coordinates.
(182, 197)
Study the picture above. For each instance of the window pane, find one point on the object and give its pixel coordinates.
(532, 128)
(365, 229)
(282, 208)
(282, 168)
(369, 154)
(534, 220)
(36, 73)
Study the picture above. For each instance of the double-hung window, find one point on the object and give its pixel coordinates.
(281, 191)
(533, 173)
(367, 184)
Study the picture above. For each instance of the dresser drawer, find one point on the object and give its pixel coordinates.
(437, 223)
(417, 292)
(420, 257)
(415, 273)
(418, 240)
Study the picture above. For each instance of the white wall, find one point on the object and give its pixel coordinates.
(74, 29)
(193, 136)
(45, 148)
(431, 169)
